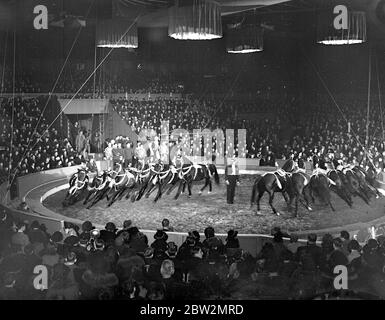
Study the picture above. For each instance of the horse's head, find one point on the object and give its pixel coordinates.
(158, 166)
(333, 175)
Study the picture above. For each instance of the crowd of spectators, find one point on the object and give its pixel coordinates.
(29, 150)
(87, 263)
(284, 128)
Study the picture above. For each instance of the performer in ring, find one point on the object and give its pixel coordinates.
(232, 178)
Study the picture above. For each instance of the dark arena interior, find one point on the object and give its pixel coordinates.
(192, 149)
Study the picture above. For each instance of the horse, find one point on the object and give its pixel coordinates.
(169, 177)
(354, 185)
(78, 182)
(367, 180)
(298, 186)
(197, 172)
(320, 186)
(119, 185)
(142, 177)
(102, 189)
(270, 182)
(97, 184)
(339, 188)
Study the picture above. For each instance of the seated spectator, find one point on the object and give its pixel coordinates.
(345, 237)
(232, 240)
(311, 254)
(354, 250)
(20, 238)
(138, 241)
(338, 256)
(160, 243)
(50, 256)
(98, 281)
(61, 287)
(109, 233)
(293, 245)
(212, 243)
(166, 226)
(23, 207)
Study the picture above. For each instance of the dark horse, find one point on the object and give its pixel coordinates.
(119, 185)
(270, 182)
(298, 187)
(320, 187)
(78, 183)
(353, 184)
(340, 188)
(167, 178)
(97, 184)
(191, 172)
(367, 181)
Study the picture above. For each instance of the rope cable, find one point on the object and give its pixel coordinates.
(13, 111)
(88, 78)
(51, 92)
(334, 100)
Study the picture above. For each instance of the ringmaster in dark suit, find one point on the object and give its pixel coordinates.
(232, 178)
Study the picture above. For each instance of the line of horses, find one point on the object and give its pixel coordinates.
(298, 187)
(133, 183)
(295, 185)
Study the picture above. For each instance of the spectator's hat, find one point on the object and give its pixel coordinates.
(87, 226)
(57, 237)
(110, 226)
(209, 232)
(35, 225)
(312, 237)
(190, 241)
(71, 241)
(231, 234)
(160, 235)
(194, 234)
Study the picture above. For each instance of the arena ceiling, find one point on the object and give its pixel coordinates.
(280, 18)
(154, 13)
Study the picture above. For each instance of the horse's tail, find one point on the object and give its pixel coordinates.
(255, 187)
(216, 175)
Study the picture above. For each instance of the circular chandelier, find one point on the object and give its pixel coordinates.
(195, 20)
(116, 33)
(355, 32)
(248, 39)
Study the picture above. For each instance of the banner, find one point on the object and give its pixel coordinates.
(84, 106)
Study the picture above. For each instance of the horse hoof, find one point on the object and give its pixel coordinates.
(310, 209)
(259, 213)
(278, 214)
(209, 192)
(200, 192)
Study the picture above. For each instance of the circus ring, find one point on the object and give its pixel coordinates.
(45, 191)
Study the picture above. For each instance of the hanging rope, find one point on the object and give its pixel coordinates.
(52, 91)
(85, 82)
(13, 110)
(379, 98)
(228, 92)
(334, 101)
(5, 56)
(368, 106)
